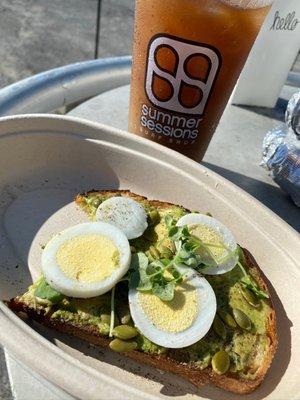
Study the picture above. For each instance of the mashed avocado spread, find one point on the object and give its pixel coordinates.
(246, 348)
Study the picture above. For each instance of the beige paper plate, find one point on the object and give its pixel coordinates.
(44, 161)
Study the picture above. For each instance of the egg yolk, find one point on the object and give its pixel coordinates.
(210, 237)
(171, 316)
(88, 258)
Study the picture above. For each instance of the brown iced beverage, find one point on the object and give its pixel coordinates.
(187, 57)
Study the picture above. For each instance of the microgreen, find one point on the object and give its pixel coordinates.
(249, 283)
(139, 277)
(192, 251)
(112, 311)
(165, 291)
(161, 276)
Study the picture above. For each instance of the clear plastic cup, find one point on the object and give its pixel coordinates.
(187, 57)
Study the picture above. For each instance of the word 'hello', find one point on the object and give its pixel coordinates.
(289, 23)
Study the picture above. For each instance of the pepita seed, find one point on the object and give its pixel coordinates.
(150, 234)
(219, 327)
(154, 217)
(124, 314)
(250, 297)
(228, 319)
(125, 319)
(154, 252)
(172, 247)
(132, 249)
(148, 254)
(122, 346)
(168, 243)
(165, 252)
(220, 362)
(242, 319)
(124, 332)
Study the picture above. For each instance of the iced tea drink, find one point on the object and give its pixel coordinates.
(187, 57)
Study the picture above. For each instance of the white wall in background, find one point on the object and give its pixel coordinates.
(271, 57)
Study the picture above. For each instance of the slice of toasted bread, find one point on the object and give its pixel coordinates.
(229, 381)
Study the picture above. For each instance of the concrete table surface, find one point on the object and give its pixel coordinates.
(27, 385)
(234, 152)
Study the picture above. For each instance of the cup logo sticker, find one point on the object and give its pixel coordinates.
(180, 74)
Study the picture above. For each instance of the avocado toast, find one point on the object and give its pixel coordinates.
(235, 353)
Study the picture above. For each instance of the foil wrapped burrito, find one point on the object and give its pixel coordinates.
(281, 151)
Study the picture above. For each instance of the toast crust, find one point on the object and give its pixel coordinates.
(196, 376)
(126, 193)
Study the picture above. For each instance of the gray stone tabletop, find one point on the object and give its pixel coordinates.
(5, 392)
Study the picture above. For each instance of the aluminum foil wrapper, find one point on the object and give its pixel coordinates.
(281, 151)
(292, 115)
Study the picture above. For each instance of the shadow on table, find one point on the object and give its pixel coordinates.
(278, 112)
(271, 196)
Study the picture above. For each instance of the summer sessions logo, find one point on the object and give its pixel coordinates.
(179, 77)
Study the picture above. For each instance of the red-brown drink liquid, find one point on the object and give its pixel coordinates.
(187, 57)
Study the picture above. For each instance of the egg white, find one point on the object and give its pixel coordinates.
(227, 238)
(57, 279)
(125, 213)
(207, 306)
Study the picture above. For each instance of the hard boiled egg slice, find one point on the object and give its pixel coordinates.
(86, 260)
(180, 322)
(217, 238)
(125, 213)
